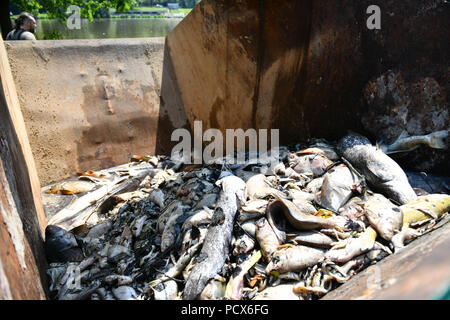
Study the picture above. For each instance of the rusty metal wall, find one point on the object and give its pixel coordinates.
(88, 104)
(314, 69)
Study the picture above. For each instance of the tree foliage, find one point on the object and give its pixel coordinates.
(89, 8)
(182, 3)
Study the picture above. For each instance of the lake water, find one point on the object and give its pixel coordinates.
(110, 28)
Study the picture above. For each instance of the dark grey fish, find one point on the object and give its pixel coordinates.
(218, 238)
(381, 172)
(61, 245)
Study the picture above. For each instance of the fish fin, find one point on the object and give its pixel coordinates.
(428, 212)
(380, 145)
(437, 140)
(385, 147)
(402, 135)
(399, 151)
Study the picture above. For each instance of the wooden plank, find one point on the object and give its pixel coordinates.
(17, 121)
(23, 260)
(19, 274)
(419, 272)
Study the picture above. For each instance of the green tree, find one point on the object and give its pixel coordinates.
(58, 8)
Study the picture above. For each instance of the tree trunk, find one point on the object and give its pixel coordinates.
(5, 19)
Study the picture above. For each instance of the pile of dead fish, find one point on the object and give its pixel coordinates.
(294, 231)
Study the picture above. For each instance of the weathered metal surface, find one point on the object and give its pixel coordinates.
(409, 88)
(420, 271)
(88, 104)
(309, 68)
(22, 219)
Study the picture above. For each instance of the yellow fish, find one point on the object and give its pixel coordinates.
(431, 205)
(425, 207)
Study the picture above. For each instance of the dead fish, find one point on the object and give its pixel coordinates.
(381, 172)
(279, 169)
(173, 226)
(310, 238)
(300, 178)
(235, 285)
(335, 233)
(280, 292)
(353, 247)
(208, 200)
(353, 210)
(253, 209)
(294, 259)
(385, 217)
(84, 294)
(300, 288)
(258, 187)
(99, 229)
(61, 245)
(243, 244)
(200, 217)
(56, 273)
(406, 234)
(117, 252)
(188, 269)
(118, 280)
(322, 149)
(432, 205)
(314, 186)
(267, 238)
(126, 238)
(192, 236)
(166, 291)
(157, 196)
(435, 140)
(300, 195)
(255, 206)
(137, 225)
(124, 293)
(128, 195)
(165, 215)
(305, 206)
(214, 290)
(338, 185)
(311, 165)
(297, 218)
(218, 238)
(70, 187)
(250, 228)
(90, 173)
(162, 176)
(179, 266)
(146, 182)
(289, 276)
(246, 216)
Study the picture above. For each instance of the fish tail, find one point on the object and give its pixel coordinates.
(437, 140)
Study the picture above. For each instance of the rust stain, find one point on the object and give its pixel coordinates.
(112, 137)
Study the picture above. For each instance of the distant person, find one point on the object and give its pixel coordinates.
(24, 28)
